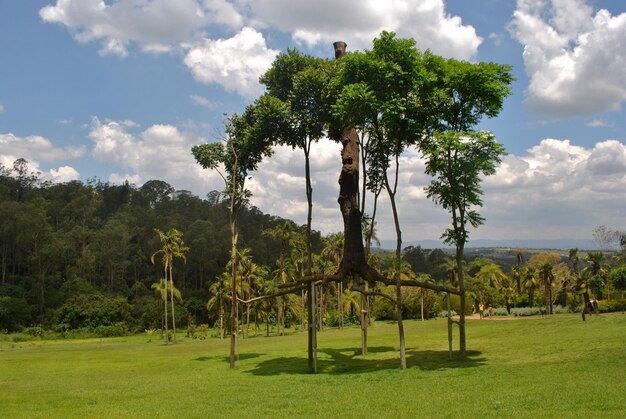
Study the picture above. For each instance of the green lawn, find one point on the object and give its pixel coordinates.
(551, 367)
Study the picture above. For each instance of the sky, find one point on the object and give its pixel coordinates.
(122, 89)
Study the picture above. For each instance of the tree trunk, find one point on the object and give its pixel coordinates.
(353, 262)
(340, 303)
(233, 305)
(459, 267)
(364, 320)
(172, 301)
(221, 319)
(312, 344)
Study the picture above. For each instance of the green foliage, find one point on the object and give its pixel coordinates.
(610, 306)
(457, 160)
(94, 311)
(618, 278)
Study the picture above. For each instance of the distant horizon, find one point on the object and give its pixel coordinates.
(535, 244)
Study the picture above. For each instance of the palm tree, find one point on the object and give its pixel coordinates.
(219, 289)
(160, 289)
(284, 233)
(333, 250)
(546, 272)
(530, 281)
(492, 273)
(351, 301)
(172, 247)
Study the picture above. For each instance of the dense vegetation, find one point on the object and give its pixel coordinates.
(78, 254)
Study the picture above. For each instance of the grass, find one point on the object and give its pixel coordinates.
(551, 367)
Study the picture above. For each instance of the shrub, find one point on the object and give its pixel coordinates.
(118, 329)
(94, 311)
(609, 306)
(444, 313)
(36, 331)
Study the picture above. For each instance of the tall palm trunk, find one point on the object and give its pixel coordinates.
(172, 301)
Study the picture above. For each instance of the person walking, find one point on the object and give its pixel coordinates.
(490, 311)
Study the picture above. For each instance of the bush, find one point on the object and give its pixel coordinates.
(93, 311)
(36, 331)
(110, 331)
(609, 306)
(444, 313)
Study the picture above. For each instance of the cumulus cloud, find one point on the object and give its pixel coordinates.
(35, 147)
(2, 109)
(64, 174)
(358, 22)
(235, 63)
(574, 56)
(158, 152)
(156, 26)
(555, 190)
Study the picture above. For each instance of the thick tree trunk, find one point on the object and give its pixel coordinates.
(353, 262)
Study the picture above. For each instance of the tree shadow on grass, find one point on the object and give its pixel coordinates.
(240, 357)
(350, 361)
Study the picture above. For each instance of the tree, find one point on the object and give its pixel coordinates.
(497, 279)
(298, 85)
(172, 246)
(381, 97)
(282, 232)
(530, 282)
(248, 140)
(545, 264)
(618, 278)
(219, 290)
(456, 161)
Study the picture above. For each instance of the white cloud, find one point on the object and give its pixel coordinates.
(157, 25)
(574, 57)
(2, 108)
(358, 22)
(599, 123)
(64, 174)
(159, 152)
(119, 179)
(235, 63)
(35, 147)
(555, 190)
(204, 102)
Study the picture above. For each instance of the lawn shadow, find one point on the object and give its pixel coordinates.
(240, 357)
(350, 361)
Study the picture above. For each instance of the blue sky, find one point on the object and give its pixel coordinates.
(122, 89)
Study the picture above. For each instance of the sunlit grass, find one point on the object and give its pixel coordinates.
(551, 367)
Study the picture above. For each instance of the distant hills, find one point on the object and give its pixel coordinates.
(557, 244)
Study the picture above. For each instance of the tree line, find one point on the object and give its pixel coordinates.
(67, 247)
